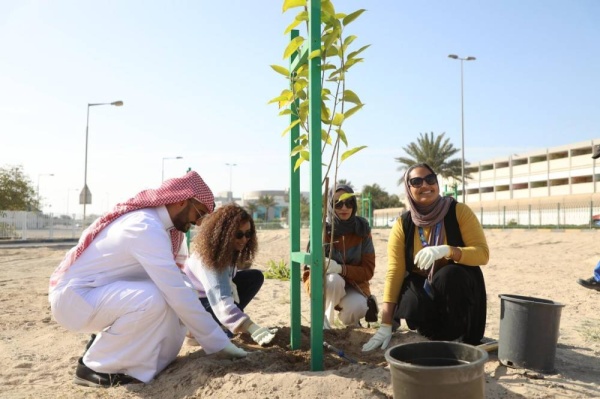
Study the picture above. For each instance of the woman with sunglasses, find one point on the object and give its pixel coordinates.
(433, 280)
(225, 242)
(350, 260)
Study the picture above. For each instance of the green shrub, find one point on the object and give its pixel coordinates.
(277, 270)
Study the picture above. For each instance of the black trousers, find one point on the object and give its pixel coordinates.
(248, 283)
(457, 310)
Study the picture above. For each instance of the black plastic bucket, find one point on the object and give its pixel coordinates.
(437, 369)
(529, 329)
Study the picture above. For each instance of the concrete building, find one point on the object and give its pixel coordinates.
(562, 171)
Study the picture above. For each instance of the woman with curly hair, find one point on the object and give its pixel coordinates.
(224, 243)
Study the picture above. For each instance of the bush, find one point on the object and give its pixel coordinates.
(277, 270)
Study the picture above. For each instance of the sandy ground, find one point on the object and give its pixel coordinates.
(38, 356)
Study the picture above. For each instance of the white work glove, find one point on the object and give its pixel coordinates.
(427, 256)
(234, 293)
(232, 352)
(261, 335)
(334, 267)
(381, 338)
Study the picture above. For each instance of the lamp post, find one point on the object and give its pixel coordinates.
(39, 198)
(462, 120)
(86, 195)
(163, 167)
(231, 165)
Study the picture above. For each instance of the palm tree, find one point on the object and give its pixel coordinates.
(251, 207)
(268, 202)
(434, 151)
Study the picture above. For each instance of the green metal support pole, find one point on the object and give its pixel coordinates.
(315, 257)
(295, 223)
(316, 196)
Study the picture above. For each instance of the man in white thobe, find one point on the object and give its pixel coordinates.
(124, 281)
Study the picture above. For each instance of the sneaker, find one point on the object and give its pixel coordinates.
(89, 378)
(590, 283)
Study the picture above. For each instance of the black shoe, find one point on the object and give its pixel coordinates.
(87, 377)
(590, 283)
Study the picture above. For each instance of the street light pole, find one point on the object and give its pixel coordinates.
(231, 165)
(462, 121)
(39, 198)
(163, 167)
(84, 193)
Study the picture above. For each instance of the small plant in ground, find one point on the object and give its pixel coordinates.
(277, 270)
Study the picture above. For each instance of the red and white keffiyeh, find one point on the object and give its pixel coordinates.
(171, 191)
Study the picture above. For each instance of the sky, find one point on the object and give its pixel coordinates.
(195, 79)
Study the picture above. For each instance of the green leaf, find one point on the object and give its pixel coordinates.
(352, 111)
(314, 53)
(287, 129)
(285, 95)
(282, 70)
(342, 135)
(287, 4)
(304, 156)
(338, 119)
(302, 16)
(332, 51)
(329, 39)
(298, 163)
(360, 50)
(345, 196)
(326, 137)
(296, 150)
(351, 62)
(326, 67)
(286, 111)
(351, 97)
(327, 6)
(293, 46)
(347, 41)
(324, 111)
(352, 151)
(291, 26)
(352, 16)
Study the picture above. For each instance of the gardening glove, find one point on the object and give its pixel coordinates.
(232, 352)
(427, 256)
(234, 293)
(381, 338)
(334, 267)
(261, 335)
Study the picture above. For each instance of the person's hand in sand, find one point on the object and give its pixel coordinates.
(381, 339)
(261, 335)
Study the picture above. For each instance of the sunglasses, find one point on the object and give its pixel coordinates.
(417, 182)
(350, 202)
(241, 234)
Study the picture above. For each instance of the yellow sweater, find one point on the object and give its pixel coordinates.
(474, 253)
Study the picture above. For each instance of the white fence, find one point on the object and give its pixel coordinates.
(20, 225)
(581, 215)
(17, 225)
